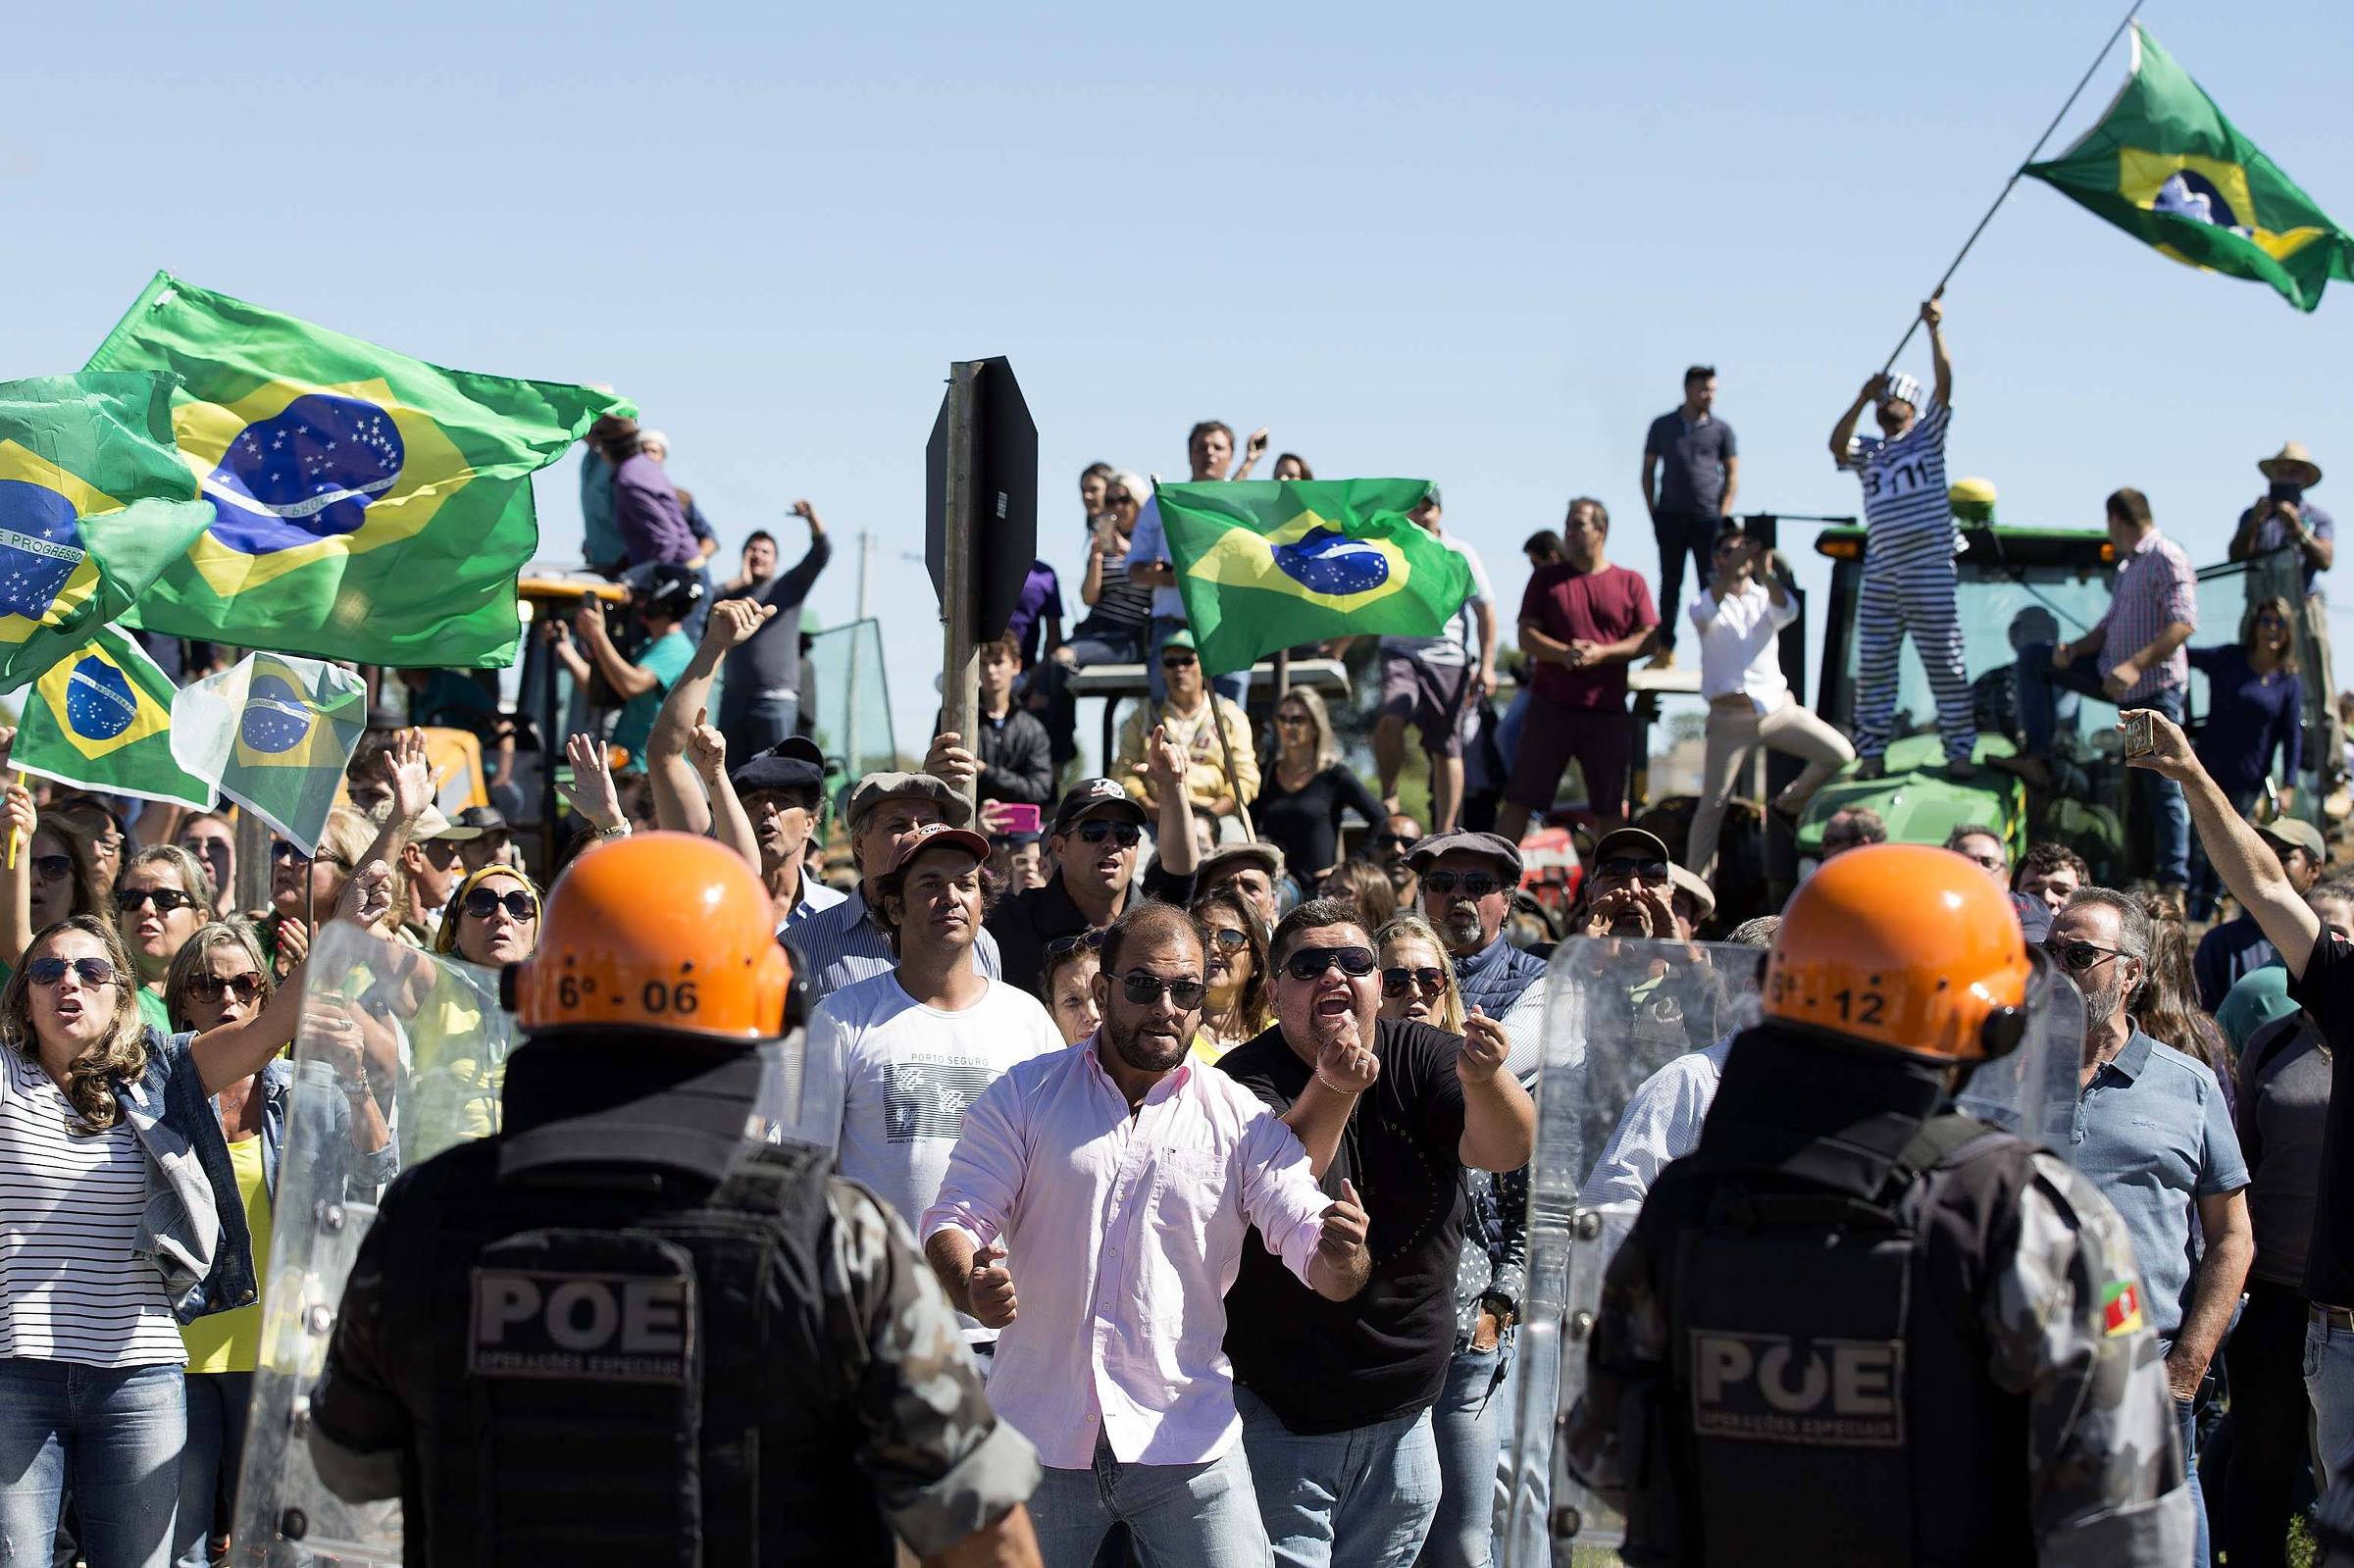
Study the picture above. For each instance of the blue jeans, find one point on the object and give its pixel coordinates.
(2039, 688)
(2187, 1415)
(1231, 686)
(217, 1403)
(2206, 883)
(1360, 1498)
(752, 722)
(113, 1435)
(2330, 1390)
(1187, 1514)
(1463, 1425)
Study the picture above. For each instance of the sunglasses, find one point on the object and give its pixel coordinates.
(1177, 661)
(49, 971)
(1629, 866)
(212, 988)
(1429, 982)
(481, 903)
(282, 852)
(1123, 834)
(1310, 962)
(2080, 956)
(1475, 884)
(53, 867)
(1229, 939)
(1145, 989)
(131, 900)
(1090, 940)
(1293, 721)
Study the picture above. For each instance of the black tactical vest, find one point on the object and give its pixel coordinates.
(1827, 1399)
(625, 1367)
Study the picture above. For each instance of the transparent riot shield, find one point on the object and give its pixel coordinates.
(1636, 1034)
(433, 1042)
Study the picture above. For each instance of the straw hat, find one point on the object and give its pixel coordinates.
(2293, 464)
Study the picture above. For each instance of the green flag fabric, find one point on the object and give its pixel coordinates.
(367, 506)
(100, 718)
(94, 505)
(275, 731)
(2165, 165)
(1266, 564)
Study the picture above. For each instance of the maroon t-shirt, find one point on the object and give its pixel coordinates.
(1606, 606)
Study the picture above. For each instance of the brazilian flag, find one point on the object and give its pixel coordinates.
(101, 719)
(2165, 165)
(94, 505)
(1265, 564)
(275, 731)
(366, 505)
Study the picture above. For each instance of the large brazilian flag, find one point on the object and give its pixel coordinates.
(94, 505)
(1265, 564)
(366, 505)
(2166, 166)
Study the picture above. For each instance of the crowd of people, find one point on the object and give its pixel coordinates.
(1085, 1035)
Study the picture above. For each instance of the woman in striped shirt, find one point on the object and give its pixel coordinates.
(120, 1219)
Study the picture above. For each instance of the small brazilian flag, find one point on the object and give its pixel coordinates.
(366, 505)
(1265, 564)
(2165, 165)
(94, 504)
(275, 731)
(101, 717)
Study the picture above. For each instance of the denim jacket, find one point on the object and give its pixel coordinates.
(193, 1225)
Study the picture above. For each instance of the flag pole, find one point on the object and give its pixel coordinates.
(1914, 325)
(15, 837)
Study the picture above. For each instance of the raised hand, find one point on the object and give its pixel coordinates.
(367, 899)
(591, 791)
(734, 622)
(1164, 760)
(1484, 1048)
(410, 773)
(19, 817)
(293, 946)
(1345, 1065)
(706, 748)
(989, 1288)
(1877, 387)
(2169, 751)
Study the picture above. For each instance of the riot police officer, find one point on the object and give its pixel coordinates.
(1856, 1327)
(619, 1332)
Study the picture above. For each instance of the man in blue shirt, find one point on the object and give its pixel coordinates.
(1691, 471)
(669, 596)
(2151, 1128)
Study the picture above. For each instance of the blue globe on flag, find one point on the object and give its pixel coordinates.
(305, 474)
(1325, 561)
(276, 719)
(40, 547)
(99, 702)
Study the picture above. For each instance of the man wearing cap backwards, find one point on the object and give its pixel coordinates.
(1336, 1396)
(2285, 518)
(767, 808)
(1468, 881)
(1251, 869)
(1854, 1326)
(619, 1331)
(894, 1061)
(846, 943)
(2239, 946)
(1095, 838)
(1908, 574)
(664, 598)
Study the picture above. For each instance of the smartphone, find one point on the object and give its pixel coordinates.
(2142, 733)
(1013, 818)
(2285, 491)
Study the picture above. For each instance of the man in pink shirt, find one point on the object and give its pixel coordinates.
(1094, 1212)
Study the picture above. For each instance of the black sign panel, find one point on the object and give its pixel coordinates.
(1004, 470)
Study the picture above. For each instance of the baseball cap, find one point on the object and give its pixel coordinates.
(1092, 794)
(1182, 637)
(2297, 834)
(483, 820)
(877, 788)
(673, 588)
(1494, 845)
(937, 836)
(1682, 879)
(1631, 842)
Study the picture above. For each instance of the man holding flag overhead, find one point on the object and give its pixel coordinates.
(366, 505)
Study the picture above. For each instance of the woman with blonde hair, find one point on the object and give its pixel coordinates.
(1305, 791)
(219, 977)
(2255, 711)
(1418, 978)
(1364, 886)
(1235, 945)
(163, 896)
(123, 1221)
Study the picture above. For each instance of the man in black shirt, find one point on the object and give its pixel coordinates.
(1094, 842)
(1336, 1396)
(2321, 970)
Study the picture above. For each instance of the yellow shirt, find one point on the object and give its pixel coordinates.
(232, 1340)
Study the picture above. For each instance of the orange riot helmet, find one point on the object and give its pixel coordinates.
(666, 930)
(1902, 947)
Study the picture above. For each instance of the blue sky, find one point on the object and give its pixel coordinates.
(1476, 247)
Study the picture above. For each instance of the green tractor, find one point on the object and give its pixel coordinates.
(2015, 585)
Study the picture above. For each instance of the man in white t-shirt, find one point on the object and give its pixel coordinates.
(894, 1060)
(1432, 681)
